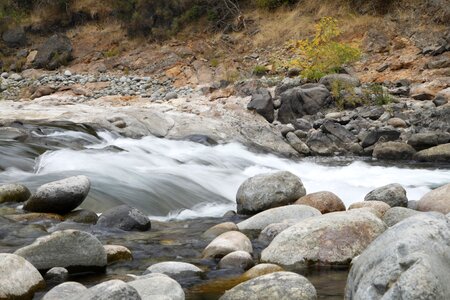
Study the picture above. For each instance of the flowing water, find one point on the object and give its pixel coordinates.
(189, 183)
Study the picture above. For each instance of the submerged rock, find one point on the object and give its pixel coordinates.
(392, 194)
(218, 229)
(18, 278)
(261, 269)
(117, 253)
(325, 202)
(126, 218)
(436, 200)
(278, 285)
(14, 193)
(226, 243)
(408, 261)
(57, 274)
(60, 196)
(82, 216)
(266, 191)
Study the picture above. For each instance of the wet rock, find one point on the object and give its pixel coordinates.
(11, 133)
(297, 143)
(373, 136)
(226, 243)
(237, 260)
(436, 200)
(158, 286)
(54, 52)
(392, 194)
(14, 192)
(262, 269)
(31, 217)
(15, 37)
(173, 268)
(18, 278)
(60, 196)
(334, 238)
(218, 229)
(262, 103)
(109, 290)
(343, 80)
(65, 290)
(126, 218)
(393, 151)
(325, 202)
(266, 191)
(57, 274)
(276, 215)
(424, 140)
(435, 154)
(298, 102)
(72, 249)
(408, 261)
(82, 216)
(117, 253)
(397, 214)
(278, 285)
(379, 206)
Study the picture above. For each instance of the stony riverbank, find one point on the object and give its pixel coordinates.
(280, 234)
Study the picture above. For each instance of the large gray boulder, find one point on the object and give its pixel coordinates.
(60, 196)
(266, 191)
(278, 214)
(18, 278)
(298, 102)
(226, 243)
(262, 103)
(398, 214)
(331, 239)
(173, 268)
(14, 192)
(157, 287)
(393, 194)
(54, 52)
(65, 290)
(15, 37)
(71, 249)
(435, 154)
(126, 218)
(436, 200)
(109, 290)
(277, 285)
(408, 261)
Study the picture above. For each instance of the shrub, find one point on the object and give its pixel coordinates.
(377, 94)
(322, 54)
(259, 70)
(345, 95)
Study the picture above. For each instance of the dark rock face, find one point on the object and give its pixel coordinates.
(262, 103)
(298, 102)
(374, 136)
(126, 218)
(15, 37)
(54, 52)
(408, 261)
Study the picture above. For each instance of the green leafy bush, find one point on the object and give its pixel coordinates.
(345, 95)
(377, 94)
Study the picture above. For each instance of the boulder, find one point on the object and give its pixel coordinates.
(277, 285)
(14, 192)
(124, 217)
(261, 269)
(57, 274)
(158, 287)
(393, 151)
(226, 243)
(18, 278)
(82, 216)
(218, 229)
(379, 207)
(344, 80)
(15, 37)
(373, 136)
(297, 143)
(266, 191)
(54, 52)
(392, 194)
(424, 140)
(117, 253)
(276, 215)
(60, 196)
(173, 268)
(436, 200)
(287, 84)
(323, 144)
(325, 202)
(65, 290)
(236, 260)
(408, 261)
(298, 102)
(109, 290)
(439, 153)
(331, 239)
(72, 249)
(339, 131)
(272, 230)
(262, 103)
(397, 214)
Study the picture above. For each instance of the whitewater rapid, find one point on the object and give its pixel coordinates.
(173, 179)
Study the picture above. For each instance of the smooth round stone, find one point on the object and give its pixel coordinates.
(398, 214)
(117, 253)
(110, 290)
(126, 218)
(226, 243)
(82, 216)
(278, 285)
(218, 229)
(66, 290)
(272, 230)
(325, 202)
(173, 268)
(14, 193)
(392, 194)
(262, 269)
(60, 196)
(57, 274)
(436, 200)
(19, 279)
(237, 260)
(380, 207)
(158, 286)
